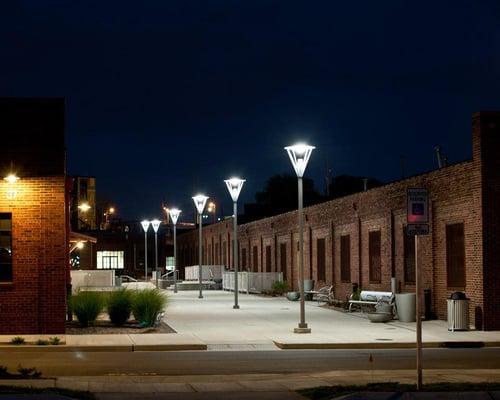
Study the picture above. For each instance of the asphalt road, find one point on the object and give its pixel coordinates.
(245, 362)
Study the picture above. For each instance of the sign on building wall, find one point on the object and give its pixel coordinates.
(417, 213)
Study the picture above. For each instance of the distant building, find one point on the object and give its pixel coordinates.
(83, 203)
(34, 219)
(361, 238)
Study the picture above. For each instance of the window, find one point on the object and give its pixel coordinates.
(268, 258)
(5, 247)
(169, 263)
(374, 256)
(217, 254)
(244, 258)
(283, 259)
(224, 253)
(409, 255)
(455, 255)
(320, 259)
(345, 258)
(255, 259)
(110, 259)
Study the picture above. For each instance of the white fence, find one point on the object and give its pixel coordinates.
(208, 272)
(96, 279)
(251, 282)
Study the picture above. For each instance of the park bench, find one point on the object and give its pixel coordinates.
(371, 298)
(323, 295)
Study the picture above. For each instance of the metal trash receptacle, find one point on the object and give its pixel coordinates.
(405, 306)
(458, 315)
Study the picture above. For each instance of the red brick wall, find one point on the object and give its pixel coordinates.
(35, 301)
(466, 192)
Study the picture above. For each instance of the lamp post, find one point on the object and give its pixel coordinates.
(156, 225)
(145, 226)
(234, 186)
(174, 214)
(199, 202)
(299, 156)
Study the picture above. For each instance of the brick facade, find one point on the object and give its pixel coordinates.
(467, 193)
(35, 300)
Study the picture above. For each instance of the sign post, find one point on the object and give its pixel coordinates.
(418, 224)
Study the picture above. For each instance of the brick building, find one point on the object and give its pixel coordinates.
(34, 224)
(360, 238)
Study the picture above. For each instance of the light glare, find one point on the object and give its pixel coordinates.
(11, 178)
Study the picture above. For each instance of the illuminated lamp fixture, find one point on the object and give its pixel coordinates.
(174, 214)
(199, 201)
(11, 178)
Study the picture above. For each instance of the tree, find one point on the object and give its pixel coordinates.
(344, 185)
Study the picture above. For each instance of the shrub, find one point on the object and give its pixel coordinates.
(42, 342)
(87, 306)
(54, 341)
(18, 340)
(279, 288)
(146, 306)
(28, 372)
(119, 306)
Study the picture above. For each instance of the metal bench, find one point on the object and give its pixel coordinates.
(323, 295)
(371, 298)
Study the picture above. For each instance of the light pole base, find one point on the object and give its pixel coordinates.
(302, 330)
(200, 296)
(236, 307)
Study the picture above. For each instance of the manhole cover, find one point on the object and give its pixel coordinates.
(384, 340)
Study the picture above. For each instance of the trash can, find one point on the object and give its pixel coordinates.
(458, 312)
(118, 280)
(405, 305)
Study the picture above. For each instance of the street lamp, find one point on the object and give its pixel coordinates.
(156, 225)
(299, 156)
(199, 202)
(145, 226)
(174, 214)
(234, 186)
(212, 208)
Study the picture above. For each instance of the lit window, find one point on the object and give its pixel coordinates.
(110, 259)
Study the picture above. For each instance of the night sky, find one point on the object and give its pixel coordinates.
(168, 98)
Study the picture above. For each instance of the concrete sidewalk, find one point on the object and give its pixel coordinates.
(263, 321)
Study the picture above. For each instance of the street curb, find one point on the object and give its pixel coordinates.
(382, 345)
(106, 348)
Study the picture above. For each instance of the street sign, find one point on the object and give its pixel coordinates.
(417, 229)
(417, 206)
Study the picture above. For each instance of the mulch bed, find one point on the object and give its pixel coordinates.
(106, 327)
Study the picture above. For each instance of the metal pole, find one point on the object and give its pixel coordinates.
(235, 254)
(199, 258)
(156, 257)
(175, 259)
(418, 319)
(145, 256)
(302, 328)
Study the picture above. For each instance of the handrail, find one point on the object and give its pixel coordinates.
(129, 277)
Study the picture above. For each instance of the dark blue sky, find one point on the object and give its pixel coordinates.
(168, 98)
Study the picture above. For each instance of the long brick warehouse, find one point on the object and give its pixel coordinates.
(361, 238)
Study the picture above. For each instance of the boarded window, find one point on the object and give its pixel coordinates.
(283, 259)
(255, 259)
(409, 255)
(224, 253)
(374, 256)
(320, 259)
(5, 247)
(268, 258)
(455, 255)
(217, 253)
(243, 258)
(345, 258)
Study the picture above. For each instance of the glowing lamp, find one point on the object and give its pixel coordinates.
(234, 186)
(174, 214)
(155, 224)
(299, 156)
(199, 202)
(84, 207)
(11, 178)
(145, 225)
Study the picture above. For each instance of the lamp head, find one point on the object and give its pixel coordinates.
(145, 225)
(299, 156)
(234, 186)
(11, 178)
(84, 207)
(156, 224)
(174, 214)
(199, 201)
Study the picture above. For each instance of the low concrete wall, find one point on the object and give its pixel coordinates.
(251, 282)
(208, 272)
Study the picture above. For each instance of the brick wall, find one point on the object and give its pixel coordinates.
(35, 300)
(467, 192)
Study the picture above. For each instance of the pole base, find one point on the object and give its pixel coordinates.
(236, 307)
(302, 328)
(200, 296)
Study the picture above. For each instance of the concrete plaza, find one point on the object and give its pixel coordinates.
(263, 322)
